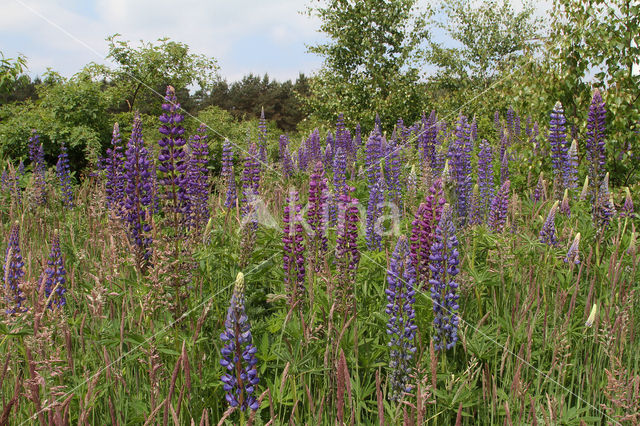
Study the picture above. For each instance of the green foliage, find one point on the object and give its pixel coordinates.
(70, 110)
(151, 67)
(371, 63)
(10, 71)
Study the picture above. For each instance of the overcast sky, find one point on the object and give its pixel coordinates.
(244, 36)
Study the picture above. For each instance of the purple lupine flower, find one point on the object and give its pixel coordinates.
(374, 211)
(392, 174)
(231, 196)
(595, 147)
(499, 208)
(429, 135)
(114, 171)
(627, 207)
(571, 167)
(461, 168)
(239, 353)
(293, 249)
(573, 254)
(548, 231)
(4, 181)
(356, 142)
(262, 138)
(510, 123)
(423, 231)
(287, 163)
(313, 148)
(38, 168)
(347, 254)
(54, 289)
(328, 157)
(516, 129)
(476, 215)
(527, 126)
(172, 160)
(12, 273)
(250, 183)
(318, 215)
(138, 193)
(303, 156)
(373, 155)
(565, 208)
(341, 141)
(21, 169)
(485, 176)
(604, 209)
(401, 326)
(444, 267)
(538, 193)
(198, 178)
(504, 162)
(340, 171)
(557, 136)
(227, 159)
(62, 170)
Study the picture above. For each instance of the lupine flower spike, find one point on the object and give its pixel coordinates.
(62, 170)
(239, 353)
(13, 271)
(548, 231)
(444, 261)
(627, 207)
(54, 285)
(499, 208)
(573, 254)
(565, 208)
(401, 326)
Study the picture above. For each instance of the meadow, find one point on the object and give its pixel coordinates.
(442, 272)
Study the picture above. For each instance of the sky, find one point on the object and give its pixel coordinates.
(244, 36)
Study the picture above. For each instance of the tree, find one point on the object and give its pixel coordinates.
(491, 36)
(10, 70)
(154, 66)
(371, 61)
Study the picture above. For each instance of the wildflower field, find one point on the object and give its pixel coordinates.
(439, 273)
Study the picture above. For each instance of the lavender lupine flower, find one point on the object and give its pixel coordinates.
(4, 181)
(485, 177)
(595, 147)
(565, 208)
(12, 273)
(227, 159)
(250, 183)
(604, 209)
(303, 157)
(54, 289)
(293, 249)
(373, 155)
(21, 169)
(62, 170)
(198, 178)
(341, 140)
(627, 207)
(374, 211)
(476, 216)
(172, 160)
(401, 326)
(444, 267)
(356, 142)
(499, 208)
(36, 155)
(573, 254)
(262, 138)
(340, 171)
(317, 214)
(138, 193)
(312, 147)
(504, 166)
(114, 172)
(347, 254)
(239, 353)
(423, 231)
(287, 163)
(571, 167)
(516, 129)
(548, 231)
(392, 174)
(557, 136)
(461, 168)
(429, 136)
(328, 157)
(510, 122)
(538, 193)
